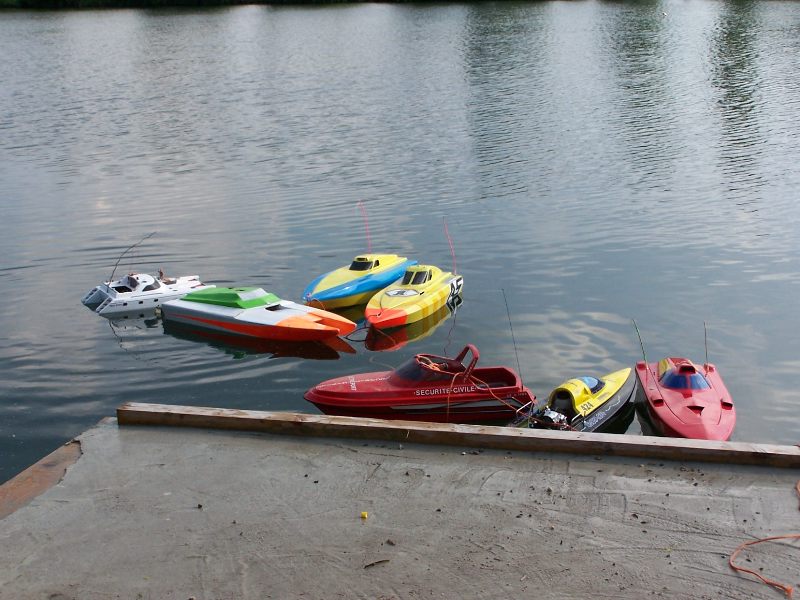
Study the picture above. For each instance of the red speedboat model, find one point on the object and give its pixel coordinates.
(427, 388)
(679, 400)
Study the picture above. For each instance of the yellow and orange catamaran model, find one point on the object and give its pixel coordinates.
(423, 290)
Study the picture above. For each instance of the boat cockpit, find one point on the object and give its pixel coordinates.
(361, 263)
(416, 277)
(675, 380)
(422, 368)
(681, 374)
(136, 282)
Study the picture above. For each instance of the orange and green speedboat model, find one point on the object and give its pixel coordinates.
(255, 313)
(357, 283)
(423, 290)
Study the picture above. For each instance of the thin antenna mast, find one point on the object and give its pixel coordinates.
(453, 251)
(705, 339)
(641, 343)
(514, 341)
(128, 249)
(646, 364)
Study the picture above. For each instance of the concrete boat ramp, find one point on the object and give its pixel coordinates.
(172, 502)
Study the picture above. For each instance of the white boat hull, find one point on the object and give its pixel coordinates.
(144, 292)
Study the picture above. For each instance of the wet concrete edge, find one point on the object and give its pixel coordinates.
(38, 478)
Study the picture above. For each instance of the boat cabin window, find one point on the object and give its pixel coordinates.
(415, 277)
(411, 370)
(682, 381)
(153, 286)
(594, 384)
(361, 265)
(122, 289)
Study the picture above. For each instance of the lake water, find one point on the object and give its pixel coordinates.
(593, 162)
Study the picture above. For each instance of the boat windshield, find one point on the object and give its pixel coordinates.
(415, 277)
(683, 381)
(153, 286)
(594, 384)
(361, 265)
(412, 370)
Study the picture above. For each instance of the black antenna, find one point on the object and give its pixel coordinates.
(641, 343)
(705, 337)
(128, 249)
(646, 364)
(508, 312)
(452, 249)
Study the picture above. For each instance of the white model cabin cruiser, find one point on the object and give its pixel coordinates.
(139, 291)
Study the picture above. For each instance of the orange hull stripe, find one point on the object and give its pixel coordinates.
(271, 332)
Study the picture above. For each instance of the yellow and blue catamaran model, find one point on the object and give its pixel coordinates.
(357, 283)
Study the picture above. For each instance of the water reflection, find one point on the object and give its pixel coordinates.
(388, 340)
(133, 320)
(238, 346)
(646, 102)
(735, 56)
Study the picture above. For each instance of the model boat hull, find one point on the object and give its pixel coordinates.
(139, 292)
(701, 410)
(413, 391)
(283, 320)
(476, 410)
(606, 409)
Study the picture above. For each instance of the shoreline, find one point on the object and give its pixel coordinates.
(191, 511)
(69, 5)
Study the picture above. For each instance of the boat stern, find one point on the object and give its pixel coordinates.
(320, 323)
(96, 298)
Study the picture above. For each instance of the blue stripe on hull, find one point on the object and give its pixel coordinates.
(367, 283)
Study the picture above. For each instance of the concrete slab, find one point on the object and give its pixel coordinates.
(167, 513)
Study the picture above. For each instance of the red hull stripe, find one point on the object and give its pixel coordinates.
(439, 415)
(271, 332)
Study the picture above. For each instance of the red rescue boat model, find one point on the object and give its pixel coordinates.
(427, 388)
(678, 400)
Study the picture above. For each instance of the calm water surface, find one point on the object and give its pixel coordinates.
(599, 162)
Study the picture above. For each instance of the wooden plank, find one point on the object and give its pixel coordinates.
(20, 490)
(473, 436)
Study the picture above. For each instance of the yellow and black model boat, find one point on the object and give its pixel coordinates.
(604, 404)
